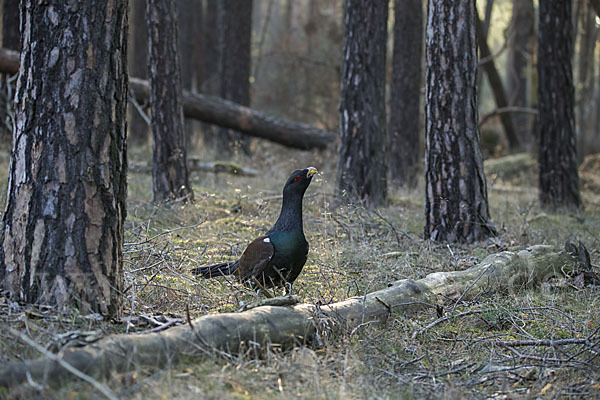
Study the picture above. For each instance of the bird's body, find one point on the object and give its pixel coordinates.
(276, 258)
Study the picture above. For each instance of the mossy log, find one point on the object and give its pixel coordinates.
(298, 325)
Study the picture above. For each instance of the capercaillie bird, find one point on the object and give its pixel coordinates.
(276, 258)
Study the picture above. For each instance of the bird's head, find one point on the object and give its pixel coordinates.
(299, 180)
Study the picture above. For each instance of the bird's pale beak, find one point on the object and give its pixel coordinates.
(311, 171)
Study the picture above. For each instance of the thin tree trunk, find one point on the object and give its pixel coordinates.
(404, 132)
(456, 206)
(234, 66)
(584, 103)
(62, 232)
(559, 182)
(497, 88)
(520, 51)
(169, 176)
(362, 168)
(139, 131)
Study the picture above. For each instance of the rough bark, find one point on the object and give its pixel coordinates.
(169, 168)
(217, 111)
(301, 324)
(559, 182)
(234, 67)
(404, 133)
(456, 206)
(497, 87)
(139, 131)
(63, 225)
(520, 51)
(362, 166)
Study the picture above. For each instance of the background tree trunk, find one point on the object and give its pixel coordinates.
(585, 78)
(559, 182)
(11, 35)
(190, 17)
(209, 64)
(139, 131)
(62, 232)
(11, 39)
(404, 150)
(169, 175)
(520, 51)
(456, 207)
(362, 169)
(489, 66)
(234, 66)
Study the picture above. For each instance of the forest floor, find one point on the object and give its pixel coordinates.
(353, 251)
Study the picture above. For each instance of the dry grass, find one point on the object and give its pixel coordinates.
(353, 251)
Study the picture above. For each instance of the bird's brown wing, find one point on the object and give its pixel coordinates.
(255, 258)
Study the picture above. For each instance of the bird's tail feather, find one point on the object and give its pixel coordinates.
(211, 271)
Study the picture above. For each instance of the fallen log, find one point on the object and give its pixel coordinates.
(217, 111)
(302, 324)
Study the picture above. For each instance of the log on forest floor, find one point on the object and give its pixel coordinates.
(301, 324)
(217, 111)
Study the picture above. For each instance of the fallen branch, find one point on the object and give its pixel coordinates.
(301, 324)
(215, 110)
(53, 357)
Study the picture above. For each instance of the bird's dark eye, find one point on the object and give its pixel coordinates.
(297, 178)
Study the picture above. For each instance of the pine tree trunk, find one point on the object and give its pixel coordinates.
(139, 131)
(362, 167)
(456, 207)
(190, 41)
(234, 66)
(169, 168)
(559, 182)
(62, 232)
(585, 84)
(11, 35)
(405, 92)
(208, 82)
(520, 45)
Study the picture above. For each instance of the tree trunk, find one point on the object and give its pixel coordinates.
(169, 169)
(234, 66)
(285, 327)
(405, 94)
(221, 112)
(139, 131)
(559, 182)
(456, 206)
(189, 17)
(362, 168)
(11, 34)
(520, 51)
(585, 84)
(62, 232)
(209, 64)
(496, 85)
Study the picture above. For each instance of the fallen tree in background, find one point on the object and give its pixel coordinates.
(217, 111)
(265, 326)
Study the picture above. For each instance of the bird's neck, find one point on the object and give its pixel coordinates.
(290, 218)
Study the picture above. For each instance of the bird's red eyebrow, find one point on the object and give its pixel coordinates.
(297, 177)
